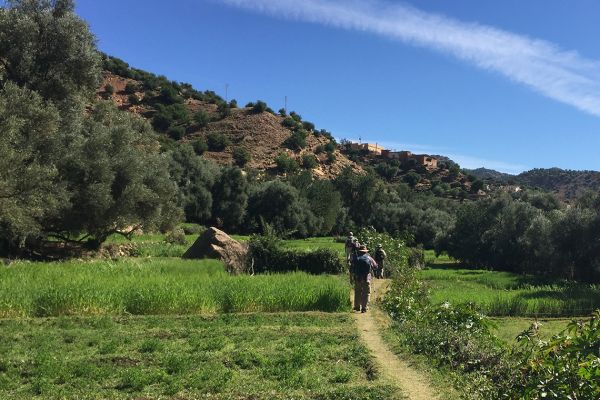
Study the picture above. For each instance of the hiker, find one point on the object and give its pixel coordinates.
(349, 244)
(352, 256)
(363, 267)
(380, 257)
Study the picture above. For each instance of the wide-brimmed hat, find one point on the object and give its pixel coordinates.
(379, 245)
(363, 249)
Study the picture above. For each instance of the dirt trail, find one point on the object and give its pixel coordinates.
(396, 371)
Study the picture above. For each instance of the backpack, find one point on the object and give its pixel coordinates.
(363, 265)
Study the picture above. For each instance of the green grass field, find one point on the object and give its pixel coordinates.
(250, 356)
(506, 294)
(159, 286)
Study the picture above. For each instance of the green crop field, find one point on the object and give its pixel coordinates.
(242, 356)
(159, 286)
(506, 294)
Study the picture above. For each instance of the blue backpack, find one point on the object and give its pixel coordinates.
(363, 265)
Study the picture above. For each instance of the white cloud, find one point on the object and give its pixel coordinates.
(562, 75)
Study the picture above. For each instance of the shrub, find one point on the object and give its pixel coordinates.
(320, 149)
(233, 103)
(109, 90)
(267, 255)
(297, 117)
(176, 132)
(162, 122)
(412, 178)
(169, 95)
(202, 118)
(289, 122)
(309, 161)
(241, 156)
(309, 126)
(259, 107)
(331, 157)
(133, 99)
(176, 236)
(285, 163)
(168, 115)
(282, 112)
(297, 140)
(330, 147)
(223, 110)
(192, 229)
(131, 88)
(566, 367)
(199, 146)
(217, 141)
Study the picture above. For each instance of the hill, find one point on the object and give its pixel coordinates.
(566, 184)
(485, 173)
(182, 113)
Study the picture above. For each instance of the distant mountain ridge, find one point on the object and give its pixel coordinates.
(566, 184)
(486, 173)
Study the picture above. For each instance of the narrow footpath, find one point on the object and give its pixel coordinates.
(398, 372)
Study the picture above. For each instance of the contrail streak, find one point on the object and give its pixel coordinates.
(561, 75)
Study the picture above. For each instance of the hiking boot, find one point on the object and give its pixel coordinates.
(364, 310)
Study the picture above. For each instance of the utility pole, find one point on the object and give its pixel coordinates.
(285, 104)
(226, 90)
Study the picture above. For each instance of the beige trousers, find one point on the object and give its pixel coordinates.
(362, 293)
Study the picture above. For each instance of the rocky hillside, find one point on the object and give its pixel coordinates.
(185, 114)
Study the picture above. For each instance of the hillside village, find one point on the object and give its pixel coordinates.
(375, 150)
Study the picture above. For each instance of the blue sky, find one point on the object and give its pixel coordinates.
(509, 85)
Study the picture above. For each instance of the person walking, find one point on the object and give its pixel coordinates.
(349, 245)
(380, 257)
(364, 266)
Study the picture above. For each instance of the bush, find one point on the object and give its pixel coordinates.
(199, 146)
(330, 147)
(241, 156)
(224, 110)
(131, 88)
(192, 229)
(202, 118)
(176, 236)
(176, 132)
(109, 90)
(168, 115)
(331, 157)
(309, 126)
(565, 366)
(282, 112)
(133, 99)
(297, 117)
(268, 256)
(217, 141)
(289, 122)
(285, 163)
(259, 107)
(297, 141)
(169, 95)
(233, 103)
(412, 178)
(309, 161)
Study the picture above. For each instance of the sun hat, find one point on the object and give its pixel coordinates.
(363, 249)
